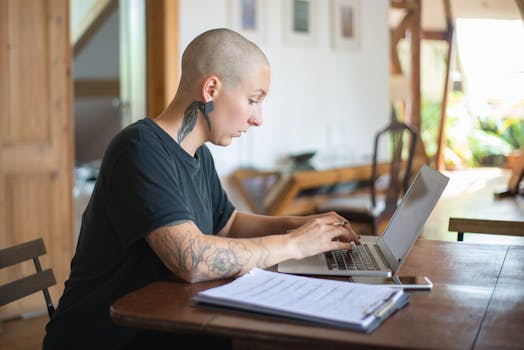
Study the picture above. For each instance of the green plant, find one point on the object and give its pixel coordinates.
(484, 139)
(494, 138)
(487, 147)
(513, 131)
(430, 123)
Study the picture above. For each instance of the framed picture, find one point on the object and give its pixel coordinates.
(247, 18)
(300, 22)
(346, 21)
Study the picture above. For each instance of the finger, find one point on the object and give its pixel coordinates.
(349, 238)
(329, 220)
(334, 216)
(353, 236)
(348, 234)
(342, 245)
(340, 223)
(339, 245)
(339, 233)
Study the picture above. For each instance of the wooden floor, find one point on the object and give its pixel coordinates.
(23, 334)
(468, 194)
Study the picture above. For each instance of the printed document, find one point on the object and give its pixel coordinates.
(339, 303)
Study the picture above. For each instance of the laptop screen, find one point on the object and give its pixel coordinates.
(408, 220)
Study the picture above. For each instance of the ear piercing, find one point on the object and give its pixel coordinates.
(209, 106)
(206, 108)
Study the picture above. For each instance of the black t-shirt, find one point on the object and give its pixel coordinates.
(146, 181)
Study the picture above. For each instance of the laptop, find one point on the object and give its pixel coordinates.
(381, 255)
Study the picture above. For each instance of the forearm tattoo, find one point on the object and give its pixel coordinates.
(264, 254)
(226, 261)
(190, 119)
(189, 254)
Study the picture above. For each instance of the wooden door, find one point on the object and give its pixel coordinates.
(36, 138)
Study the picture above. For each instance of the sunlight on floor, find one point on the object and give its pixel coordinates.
(470, 194)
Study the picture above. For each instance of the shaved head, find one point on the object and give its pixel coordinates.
(221, 52)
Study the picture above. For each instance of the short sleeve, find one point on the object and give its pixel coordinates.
(222, 208)
(143, 193)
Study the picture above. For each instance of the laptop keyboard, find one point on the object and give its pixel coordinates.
(360, 258)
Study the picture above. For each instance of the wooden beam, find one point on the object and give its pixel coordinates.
(97, 88)
(162, 45)
(415, 38)
(434, 35)
(414, 31)
(91, 23)
(520, 4)
(447, 12)
(400, 31)
(427, 35)
(441, 142)
(441, 138)
(396, 34)
(395, 67)
(403, 4)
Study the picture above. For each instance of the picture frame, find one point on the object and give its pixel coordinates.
(300, 22)
(248, 18)
(346, 24)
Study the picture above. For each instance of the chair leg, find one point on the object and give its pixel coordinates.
(45, 291)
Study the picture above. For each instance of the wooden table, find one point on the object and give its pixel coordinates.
(477, 302)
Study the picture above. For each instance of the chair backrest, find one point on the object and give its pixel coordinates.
(492, 227)
(402, 139)
(25, 286)
(254, 185)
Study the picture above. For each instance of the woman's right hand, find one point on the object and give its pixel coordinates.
(322, 233)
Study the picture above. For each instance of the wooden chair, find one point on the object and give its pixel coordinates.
(254, 185)
(40, 281)
(493, 227)
(374, 208)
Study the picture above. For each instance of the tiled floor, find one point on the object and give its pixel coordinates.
(468, 194)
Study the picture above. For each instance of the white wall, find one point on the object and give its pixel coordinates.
(320, 99)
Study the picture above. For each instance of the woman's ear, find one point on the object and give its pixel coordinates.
(210, 88)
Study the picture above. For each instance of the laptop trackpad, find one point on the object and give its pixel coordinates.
(311, 265)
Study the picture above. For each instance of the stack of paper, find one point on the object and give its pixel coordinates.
(349, 305)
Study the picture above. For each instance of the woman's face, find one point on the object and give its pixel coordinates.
(238, 108)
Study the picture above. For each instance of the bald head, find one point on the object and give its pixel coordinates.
(222, 52)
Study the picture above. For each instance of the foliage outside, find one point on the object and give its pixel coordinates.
(472, 139)
(478, 132)
(481, 140)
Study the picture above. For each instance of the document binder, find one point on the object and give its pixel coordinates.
(352, 306)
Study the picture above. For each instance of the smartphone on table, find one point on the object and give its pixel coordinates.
(404, 282)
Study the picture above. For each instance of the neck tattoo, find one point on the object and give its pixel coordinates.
(190, 119)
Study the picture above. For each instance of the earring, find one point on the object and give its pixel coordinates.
(209, 106)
